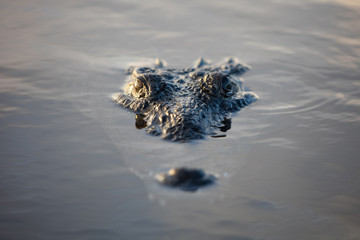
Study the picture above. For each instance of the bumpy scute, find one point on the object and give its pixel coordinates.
(185, 104)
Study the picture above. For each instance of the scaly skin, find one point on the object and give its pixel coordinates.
(185, 104)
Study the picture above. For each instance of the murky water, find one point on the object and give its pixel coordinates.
(73, 166)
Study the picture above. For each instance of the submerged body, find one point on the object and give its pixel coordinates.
(187, 179)
(185, 104)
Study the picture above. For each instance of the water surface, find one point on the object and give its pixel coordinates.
(73, 166)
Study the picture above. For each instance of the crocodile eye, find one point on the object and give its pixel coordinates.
(218, 84)
(138, 85)
(227, 87)
(147, 85)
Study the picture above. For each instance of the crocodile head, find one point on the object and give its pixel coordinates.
(185, 104)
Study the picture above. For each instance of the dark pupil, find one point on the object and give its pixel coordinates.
(226, 85)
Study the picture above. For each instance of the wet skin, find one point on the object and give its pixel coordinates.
(185, 104)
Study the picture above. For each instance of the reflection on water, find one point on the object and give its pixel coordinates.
(73, 166)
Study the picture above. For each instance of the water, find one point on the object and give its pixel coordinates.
(73, 166)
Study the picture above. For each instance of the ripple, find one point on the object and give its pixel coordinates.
(295, 97)
(90, 232)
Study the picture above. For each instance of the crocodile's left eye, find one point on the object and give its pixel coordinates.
(218, 84)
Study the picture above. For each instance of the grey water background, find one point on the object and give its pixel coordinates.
(73, 166)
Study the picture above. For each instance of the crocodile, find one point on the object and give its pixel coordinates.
(188, 103)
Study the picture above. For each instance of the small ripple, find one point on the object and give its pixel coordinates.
(354, 102)
(297, 98)
(92, 232)
(296, 107)
(262, 204)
